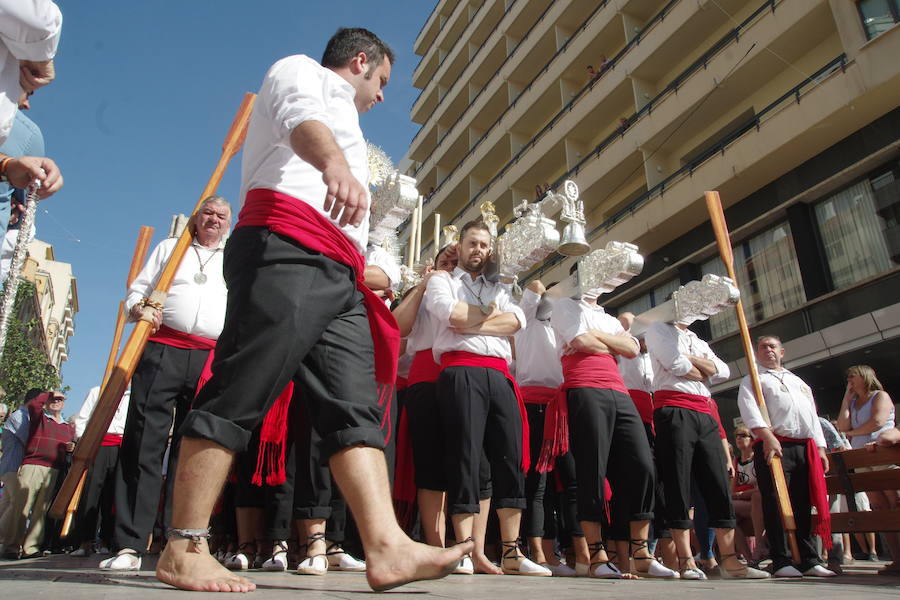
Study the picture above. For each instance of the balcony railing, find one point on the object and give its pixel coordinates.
(794, 95)
(461, 37)
(471, 62)
(565, 109)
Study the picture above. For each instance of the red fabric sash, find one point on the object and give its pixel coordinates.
(818, 492)
(460, 358)
(643, 402)
(111, 439)
(401, 384)
(579, 370)
(404, 492)
(537, 394)
(179, 339)
(423, 368)
(694, 402)
(290, 217)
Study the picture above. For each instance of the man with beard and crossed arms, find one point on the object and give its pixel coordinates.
(298, 310)
(478, 400)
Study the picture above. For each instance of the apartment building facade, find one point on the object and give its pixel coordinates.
(789, 108)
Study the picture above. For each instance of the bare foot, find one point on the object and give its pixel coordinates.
(484, 565)
(182, 567)
(390, 566)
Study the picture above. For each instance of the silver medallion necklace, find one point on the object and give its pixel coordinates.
(485, 308)
(784, 387)
(201, 277)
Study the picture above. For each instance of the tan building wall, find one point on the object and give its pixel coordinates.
(57, 297)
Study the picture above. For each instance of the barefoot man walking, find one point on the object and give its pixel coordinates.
(297, 310)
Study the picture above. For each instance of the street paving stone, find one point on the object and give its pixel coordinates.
(67, 578)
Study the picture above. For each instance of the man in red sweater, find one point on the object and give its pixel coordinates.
(50, 438)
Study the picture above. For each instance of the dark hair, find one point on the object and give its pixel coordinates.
(768, 337)
(476, 224)
(350, 41)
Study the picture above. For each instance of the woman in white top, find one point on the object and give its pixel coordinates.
(867, 411)
(745, 497)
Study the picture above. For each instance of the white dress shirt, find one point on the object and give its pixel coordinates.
(376, 256)
(637, 372)
(29, 30)
(191, 307)
(442, 294)
(298, 89)
(422, 334)
(789, 401)
(116, 427)
(572, 318)
(669, 347)
(537, 348)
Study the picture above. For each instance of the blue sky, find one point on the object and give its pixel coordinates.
(144, 95)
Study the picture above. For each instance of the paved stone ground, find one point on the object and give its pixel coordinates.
(66, 578)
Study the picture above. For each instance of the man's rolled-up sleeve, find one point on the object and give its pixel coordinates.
(296, 95)
(30, 28)
(747, 406)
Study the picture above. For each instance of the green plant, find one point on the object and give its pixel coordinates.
(24, 365)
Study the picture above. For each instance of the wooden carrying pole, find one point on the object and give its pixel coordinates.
(723, 240)
(137, 259)
(109, 399)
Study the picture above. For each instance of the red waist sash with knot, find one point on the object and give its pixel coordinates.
(694, 402)
(579, 370)
(643, 402)
(459, 358)
(818, 492)
(423, 369)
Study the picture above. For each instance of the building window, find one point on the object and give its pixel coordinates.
(768, 276)
(878, 15)
(859, 229)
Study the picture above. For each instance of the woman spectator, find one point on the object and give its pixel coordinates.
(866, 412)
(746, 499)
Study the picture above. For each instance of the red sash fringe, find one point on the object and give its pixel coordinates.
(468, 359)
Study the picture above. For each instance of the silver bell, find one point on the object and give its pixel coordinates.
(574, 242)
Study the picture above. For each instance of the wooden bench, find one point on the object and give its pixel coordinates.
(840, 481)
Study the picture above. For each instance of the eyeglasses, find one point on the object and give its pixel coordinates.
(740, 435)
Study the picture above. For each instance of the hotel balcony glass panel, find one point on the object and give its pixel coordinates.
(768, 276)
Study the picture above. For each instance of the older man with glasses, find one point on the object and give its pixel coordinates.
(50, 439)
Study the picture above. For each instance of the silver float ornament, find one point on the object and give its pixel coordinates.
(699, 300)
(694, 301)
(533, 236)
(392, 203)
(601, 272)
